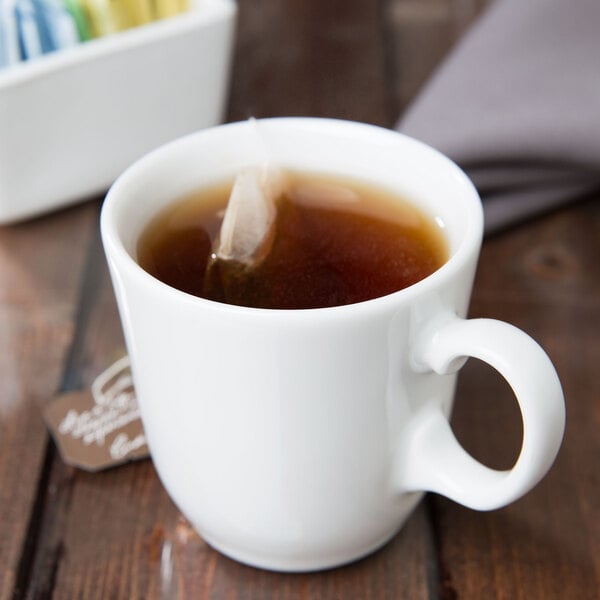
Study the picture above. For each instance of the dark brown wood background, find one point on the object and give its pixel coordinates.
(68, 534)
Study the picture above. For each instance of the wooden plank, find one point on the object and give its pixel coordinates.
(299, 58)
(545, 279)
(40, 266)
(420, 34)
(96, 342)
(132, 543)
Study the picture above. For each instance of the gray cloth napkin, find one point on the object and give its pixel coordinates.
(517, 105)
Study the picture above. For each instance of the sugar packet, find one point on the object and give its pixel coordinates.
(80, 18)
(29, 34)
(10, 52)
(56, 25)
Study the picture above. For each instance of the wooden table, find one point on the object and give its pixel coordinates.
(68, 534)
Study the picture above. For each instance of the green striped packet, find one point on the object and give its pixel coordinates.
(81, 19)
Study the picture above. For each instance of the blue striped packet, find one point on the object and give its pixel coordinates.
(10, 51)
(56, 24)
(44, 26)
(30, 39)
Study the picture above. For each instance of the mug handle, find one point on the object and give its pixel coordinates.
(431, 458)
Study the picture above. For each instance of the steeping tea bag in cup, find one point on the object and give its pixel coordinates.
(298, 440)
(276, 218)
(247, 230)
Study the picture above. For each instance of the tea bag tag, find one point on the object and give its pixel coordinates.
(248, 224)
(99, 428)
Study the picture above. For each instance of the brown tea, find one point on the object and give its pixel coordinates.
(336, 242)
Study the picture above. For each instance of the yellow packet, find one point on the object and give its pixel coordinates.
(99, 17)
(169, 8)
(138, 12)
(120, 15)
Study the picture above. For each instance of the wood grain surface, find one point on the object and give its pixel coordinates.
(68, 534)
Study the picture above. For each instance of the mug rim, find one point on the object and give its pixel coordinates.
(115, 248)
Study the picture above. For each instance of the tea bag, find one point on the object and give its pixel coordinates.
(247, 230)
(248, 224)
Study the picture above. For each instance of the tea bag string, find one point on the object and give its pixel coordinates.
(263, 150)
(248, 228)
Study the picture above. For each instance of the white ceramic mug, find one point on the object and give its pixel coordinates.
(302, 439)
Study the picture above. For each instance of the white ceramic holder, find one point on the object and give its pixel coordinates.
(72, 120)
